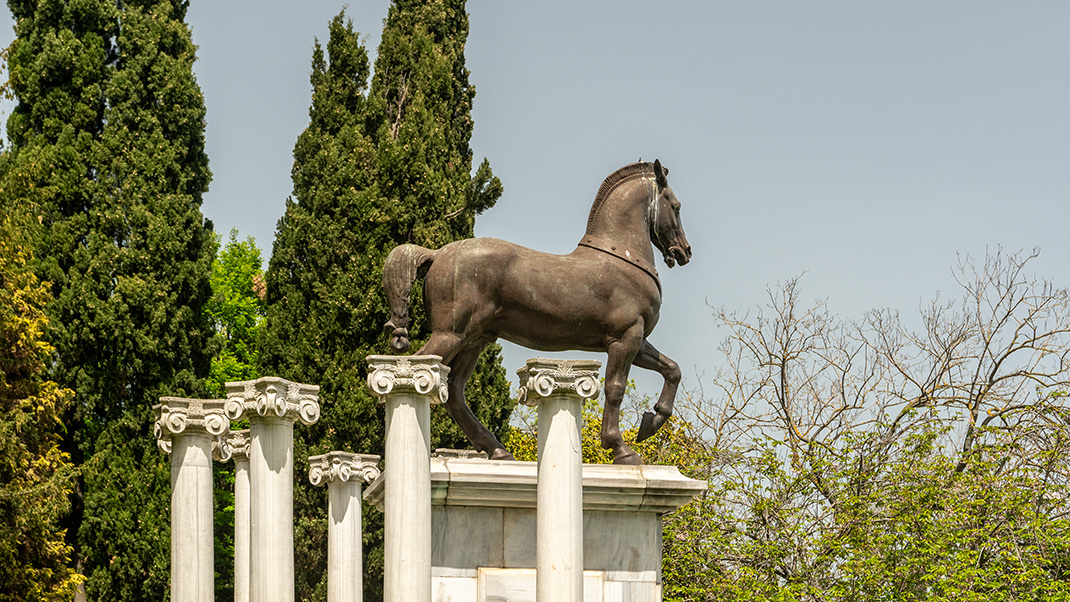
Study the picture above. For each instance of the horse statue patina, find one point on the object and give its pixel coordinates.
(605, 296)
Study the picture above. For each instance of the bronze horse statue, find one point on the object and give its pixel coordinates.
(604, 296)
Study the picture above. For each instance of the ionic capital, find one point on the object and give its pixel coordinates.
(543, 377)
(234, 445)
(339, 466)
(179, 416)
(273, 397)
(423, 374)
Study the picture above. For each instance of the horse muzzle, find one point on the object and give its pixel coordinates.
(677, 254)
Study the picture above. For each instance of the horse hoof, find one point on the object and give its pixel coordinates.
(650, 424)
(501, 454)
(630, 458)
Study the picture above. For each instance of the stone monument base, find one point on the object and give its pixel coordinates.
(483, 528)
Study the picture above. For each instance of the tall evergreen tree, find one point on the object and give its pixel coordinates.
(35, 474)
(108, 153)
(374, 169)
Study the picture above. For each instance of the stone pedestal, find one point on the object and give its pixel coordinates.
(344, 473)
(484, 523)
(186, 428)
(236, 446)
(559, 388)
(408, 386)
(272, 405)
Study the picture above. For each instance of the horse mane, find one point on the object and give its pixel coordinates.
(614, 180)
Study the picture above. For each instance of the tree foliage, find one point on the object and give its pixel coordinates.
(872, 461)
(376, 167)
(108, 156)
(35, 474)
(236, 309)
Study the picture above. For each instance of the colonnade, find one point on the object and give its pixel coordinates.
(193, 430)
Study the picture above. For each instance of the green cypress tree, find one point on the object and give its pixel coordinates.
(108, 153)
(58, 69)
(35, 474)
(374, 169)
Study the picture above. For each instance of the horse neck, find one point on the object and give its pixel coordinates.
(622, 221)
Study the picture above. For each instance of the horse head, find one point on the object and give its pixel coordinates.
(666, 229)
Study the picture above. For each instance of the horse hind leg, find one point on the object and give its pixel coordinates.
(461, 369)
(651, 359)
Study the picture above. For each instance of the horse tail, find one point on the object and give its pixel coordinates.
(403, 265)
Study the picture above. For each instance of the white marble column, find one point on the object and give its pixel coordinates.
(408, 386)
(186, 428)
(559, 388)
(272, 405)
(236, 446)
(344, 473)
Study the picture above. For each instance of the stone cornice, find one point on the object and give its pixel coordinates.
(273, 397)
(183, 416)
(543, 377)
(423, 374)
(339, 466)
(511, 484)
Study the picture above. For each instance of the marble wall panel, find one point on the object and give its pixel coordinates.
(466, 536)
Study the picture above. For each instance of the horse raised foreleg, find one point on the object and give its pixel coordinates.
(461, 369)
(619, 362)
(651, 359)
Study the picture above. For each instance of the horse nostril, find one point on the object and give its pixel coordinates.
(688, 250)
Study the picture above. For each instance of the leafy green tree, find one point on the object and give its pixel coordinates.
(35, 474)
(375, 168)
(236, 309)
(108, 154)
(869, 461)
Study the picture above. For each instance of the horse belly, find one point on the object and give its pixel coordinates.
(547, 332)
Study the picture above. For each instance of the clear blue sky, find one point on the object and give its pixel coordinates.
(864, 144)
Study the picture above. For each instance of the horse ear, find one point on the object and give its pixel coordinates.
(661, 173)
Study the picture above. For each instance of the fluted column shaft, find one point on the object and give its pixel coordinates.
(186, 429)
(408, 386)
(236, 447)
(272, 405)
(344, 473)
(558, 388)
(242, 531)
